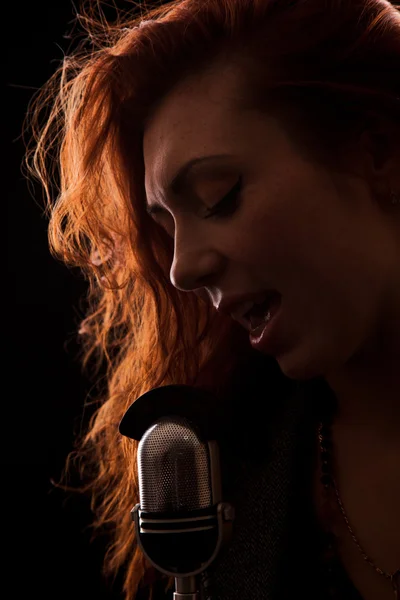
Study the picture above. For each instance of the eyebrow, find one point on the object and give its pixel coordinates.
(179, 180)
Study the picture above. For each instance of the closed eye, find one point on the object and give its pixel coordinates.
(228, 204)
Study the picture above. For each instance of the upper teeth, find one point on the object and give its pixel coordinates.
(245, 307)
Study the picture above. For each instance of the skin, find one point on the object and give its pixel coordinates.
(328, 240)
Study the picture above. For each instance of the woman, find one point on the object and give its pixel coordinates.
(283, 121)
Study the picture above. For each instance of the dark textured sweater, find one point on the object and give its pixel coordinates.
(276, 550)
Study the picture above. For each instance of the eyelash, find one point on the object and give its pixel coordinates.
(227, 201)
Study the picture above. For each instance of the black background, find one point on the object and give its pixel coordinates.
(45, 536)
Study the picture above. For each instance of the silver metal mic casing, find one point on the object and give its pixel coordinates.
(180, 520)
(177, 470)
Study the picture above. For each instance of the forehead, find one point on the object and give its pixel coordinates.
(198, 117)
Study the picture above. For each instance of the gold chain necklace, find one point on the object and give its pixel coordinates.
(327, 479)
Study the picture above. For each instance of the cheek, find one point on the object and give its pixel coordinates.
(286, 212)
(304, 240)
(284, 241)
(317, 267)
(296, 226)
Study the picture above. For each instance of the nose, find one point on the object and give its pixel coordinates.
(192, 270)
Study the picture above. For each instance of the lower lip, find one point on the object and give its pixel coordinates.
(264, 336)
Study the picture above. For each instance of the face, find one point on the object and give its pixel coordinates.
(313, 233)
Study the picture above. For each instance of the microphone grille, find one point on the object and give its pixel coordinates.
(173, 468)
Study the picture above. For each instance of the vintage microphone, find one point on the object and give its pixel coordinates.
(180, 521)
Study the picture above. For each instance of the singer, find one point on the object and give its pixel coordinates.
(229, 184)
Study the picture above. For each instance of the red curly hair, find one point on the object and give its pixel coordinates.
(327, 59)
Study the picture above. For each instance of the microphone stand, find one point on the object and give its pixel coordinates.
(186, 588)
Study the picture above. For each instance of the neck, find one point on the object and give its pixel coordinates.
(367, 389)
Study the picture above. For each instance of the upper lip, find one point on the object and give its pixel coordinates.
(235, 305)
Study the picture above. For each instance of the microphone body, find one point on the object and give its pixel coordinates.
(180, 521)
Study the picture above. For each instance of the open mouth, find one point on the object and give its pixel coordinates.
(260, 313)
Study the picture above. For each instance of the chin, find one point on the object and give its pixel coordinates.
(305, 362)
